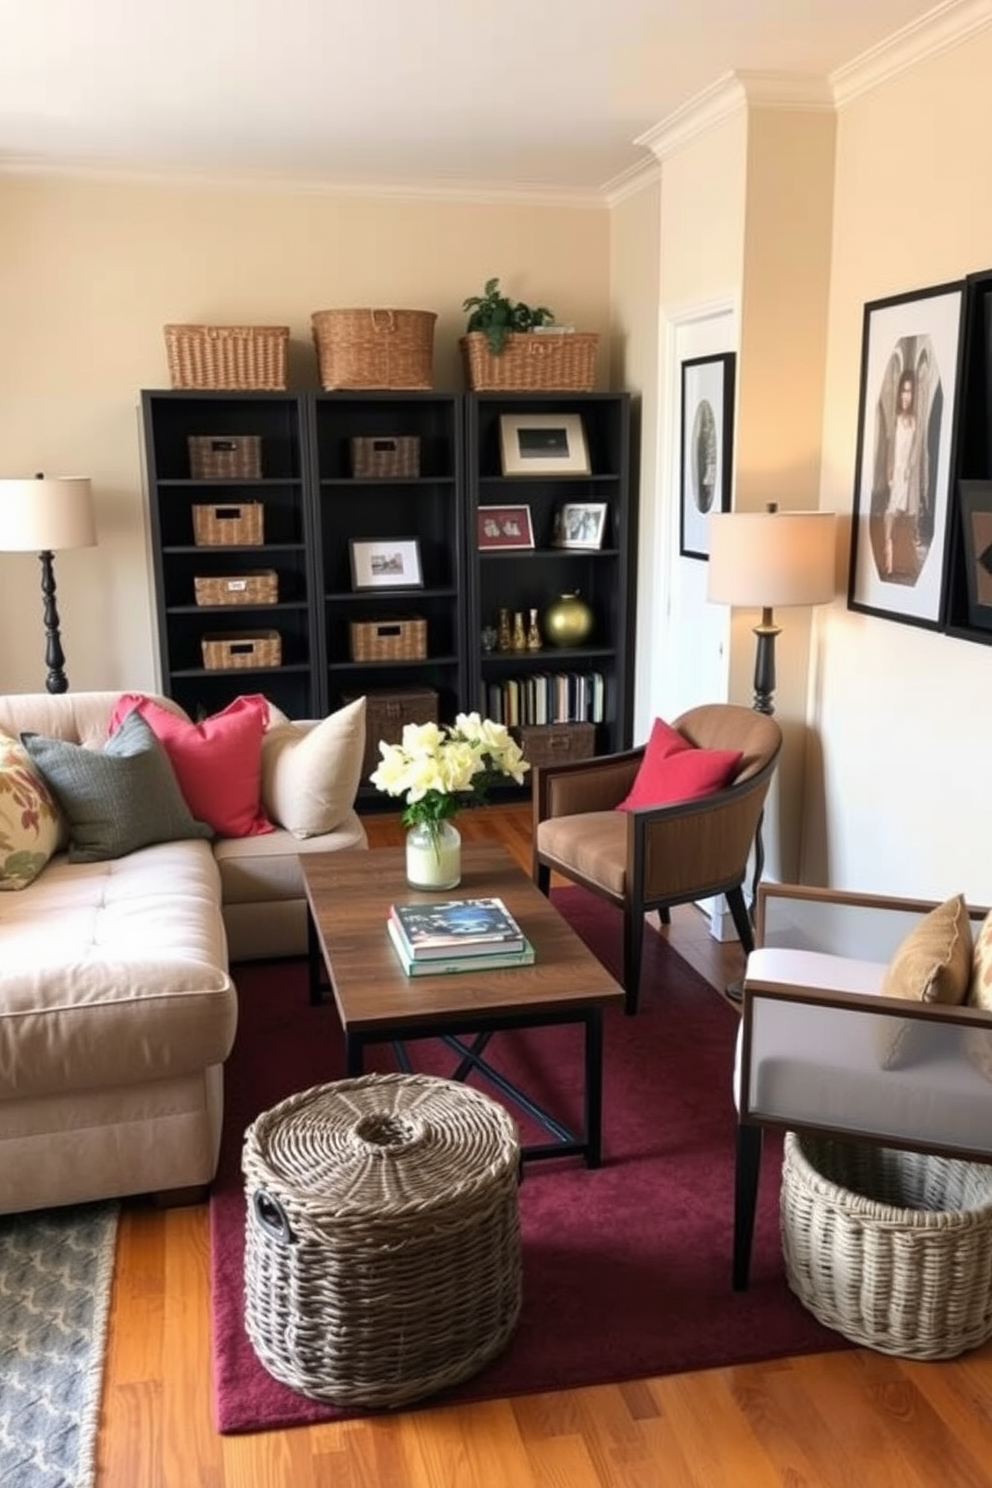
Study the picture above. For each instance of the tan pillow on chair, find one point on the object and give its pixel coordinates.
(932, 964)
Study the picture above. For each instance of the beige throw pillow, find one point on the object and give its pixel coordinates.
(311, 770)
(932, 964)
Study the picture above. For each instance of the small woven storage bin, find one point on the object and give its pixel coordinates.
(374, 348)
(229, 525)
(235, 649)
(382, 1254)
(259, 588)
(892, 1249)
(239, 357)
(225, 456)
(531, 361)
(385, 455)
(389, 640)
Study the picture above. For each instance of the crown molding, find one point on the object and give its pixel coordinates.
(728, 96)
(631, 182)
(455, 192)
(945, 26)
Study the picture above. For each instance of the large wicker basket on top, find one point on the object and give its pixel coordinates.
(238, 357)
(374, 348)
(532, 362)
(892, 1249)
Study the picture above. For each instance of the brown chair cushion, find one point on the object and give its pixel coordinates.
(593, 844)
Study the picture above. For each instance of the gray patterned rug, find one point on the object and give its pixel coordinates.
(56, 1268)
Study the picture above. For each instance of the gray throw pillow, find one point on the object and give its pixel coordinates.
(118, 798)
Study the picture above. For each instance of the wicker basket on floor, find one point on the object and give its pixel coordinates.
(892, 1249)
(382, 1256)
(531, 361)
(374, 348)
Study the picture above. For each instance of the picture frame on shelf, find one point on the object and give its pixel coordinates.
(975, 498)
(907, 413)
(543, 444)
(580, 524)
(386, 563)
(504, 527)
(707, 437)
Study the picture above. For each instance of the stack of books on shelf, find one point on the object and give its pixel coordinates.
(546, 697)
(457, 935)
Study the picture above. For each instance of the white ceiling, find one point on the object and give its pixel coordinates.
(463, 94)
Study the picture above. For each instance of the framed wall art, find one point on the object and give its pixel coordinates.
(706, 447)
(910, 355)
(386, 563)
(976, 532)
(504, 527)
(543, 444)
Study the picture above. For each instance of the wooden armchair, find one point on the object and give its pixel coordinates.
(822, 1049)
(654, 857)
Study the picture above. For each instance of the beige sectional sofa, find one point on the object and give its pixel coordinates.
(117, 1007)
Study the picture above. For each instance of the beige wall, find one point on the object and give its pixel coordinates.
(90, 271)
(904, 713)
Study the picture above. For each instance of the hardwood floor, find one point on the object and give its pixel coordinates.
(856, 1419)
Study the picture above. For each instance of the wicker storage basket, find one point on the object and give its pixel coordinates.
(242, 648)
(374, 348)
(387, 714)
(241, 357)
(553, 743)
(385, 455)
(238, 525)
(531, 361)
(258, 588)
(225, 456)
(892, 1249)
(398, 639)
(382, 1245)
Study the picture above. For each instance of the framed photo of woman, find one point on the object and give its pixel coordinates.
(707, 442)
(910, 355)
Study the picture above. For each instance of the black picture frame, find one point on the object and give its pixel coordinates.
(706, 447)
(910, 350)
(975, 498)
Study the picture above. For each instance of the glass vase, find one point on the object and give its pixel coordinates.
(434, 856)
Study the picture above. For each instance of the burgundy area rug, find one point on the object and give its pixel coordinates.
(626, 1267)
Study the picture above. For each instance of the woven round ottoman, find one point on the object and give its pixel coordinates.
(382, 1255)
(892, 1249)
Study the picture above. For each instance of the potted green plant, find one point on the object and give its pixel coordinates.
(496, 315)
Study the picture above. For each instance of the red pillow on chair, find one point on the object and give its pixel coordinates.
(675, 770)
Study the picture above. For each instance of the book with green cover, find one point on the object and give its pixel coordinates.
(455, 963)
(453, 927)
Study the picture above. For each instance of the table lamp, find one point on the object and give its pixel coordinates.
(41, 516)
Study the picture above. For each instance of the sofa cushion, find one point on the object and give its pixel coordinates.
(311, 770)
(933, 963)
(218, 762)
(675, 770)
(29, 817)
(116, 799)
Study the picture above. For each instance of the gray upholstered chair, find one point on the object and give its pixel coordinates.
(654, 857)
(822, 1049)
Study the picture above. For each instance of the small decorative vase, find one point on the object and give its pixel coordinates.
(568, 621)
(534, 642)
(519, 632)
(434, 857)
(504, 632)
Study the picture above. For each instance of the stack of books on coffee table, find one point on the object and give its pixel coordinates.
(457, 935)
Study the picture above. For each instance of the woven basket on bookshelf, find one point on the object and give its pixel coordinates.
(238, 357)
(225, 456)
(531, 361)
(228, 525)
(258, 588)
(389, 640)
(374, 348)
(236, 649)
(384, 456)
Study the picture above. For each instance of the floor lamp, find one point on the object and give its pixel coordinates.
(40, 516)
(770, 560)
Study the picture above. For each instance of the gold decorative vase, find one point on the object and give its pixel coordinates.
(567, 621)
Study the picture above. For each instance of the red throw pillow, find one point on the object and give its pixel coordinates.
(218, 762)
(674, 770)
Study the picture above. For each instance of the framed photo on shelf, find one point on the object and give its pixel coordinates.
(543, 444)
(386, 563)
(976, 535)
(580, 524)
(504, 527)
(706, 448)
(906, 416)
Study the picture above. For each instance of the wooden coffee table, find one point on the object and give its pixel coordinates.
(349, 894)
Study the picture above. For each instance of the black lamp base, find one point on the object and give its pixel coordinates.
(56, 681)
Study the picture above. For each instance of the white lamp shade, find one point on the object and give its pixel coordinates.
(771, 559)
(41, 514)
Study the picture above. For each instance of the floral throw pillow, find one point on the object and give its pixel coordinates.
(29, 818)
